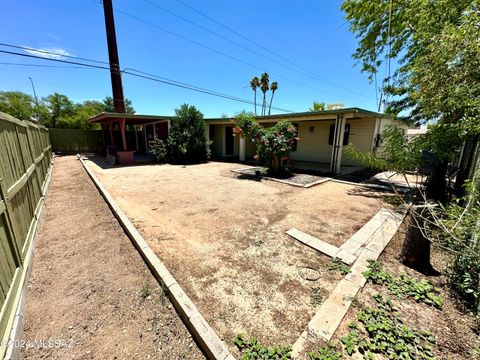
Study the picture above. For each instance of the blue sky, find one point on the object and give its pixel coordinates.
(300, 36)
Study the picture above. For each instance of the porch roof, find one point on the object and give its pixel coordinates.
(130, 119)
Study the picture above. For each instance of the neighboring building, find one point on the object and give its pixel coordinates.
(320, 139)
(413, 133)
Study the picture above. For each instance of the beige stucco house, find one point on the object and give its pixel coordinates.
(321, 140)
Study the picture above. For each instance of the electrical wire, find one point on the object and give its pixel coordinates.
(319, 78)
(26, 48)
(216, 51)
(43, 65)
(302, 72)
(144, 75)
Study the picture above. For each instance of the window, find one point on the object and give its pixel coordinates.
(346, 134)
(295, 142)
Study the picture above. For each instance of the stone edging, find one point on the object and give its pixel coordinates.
(201, 331)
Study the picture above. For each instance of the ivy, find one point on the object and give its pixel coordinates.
(325, 353)
(336, 265)
(404, 285)
(253, 350)
(380, 330)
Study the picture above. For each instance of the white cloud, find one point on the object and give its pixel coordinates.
(57, 53)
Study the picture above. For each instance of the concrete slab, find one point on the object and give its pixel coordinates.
(322, 246)
(368, 243)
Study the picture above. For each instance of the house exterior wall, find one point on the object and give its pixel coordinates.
(361, 136)
(313, 146)
(217, 137)
(314, 135)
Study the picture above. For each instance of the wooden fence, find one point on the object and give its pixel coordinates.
(25, 165)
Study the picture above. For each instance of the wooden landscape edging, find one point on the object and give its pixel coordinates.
(202, 332)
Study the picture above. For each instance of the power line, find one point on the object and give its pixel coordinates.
(230, 40)
(26, 48)
(43, 65)
(265, 48)
(268, 32)
(144, 75)
(215, 50)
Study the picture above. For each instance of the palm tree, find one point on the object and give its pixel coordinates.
(273, 87)
(254, 84)
(264, 81)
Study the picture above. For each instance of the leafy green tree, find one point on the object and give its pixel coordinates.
(317, 106)
(84, 111)
(435, 44)
(273, 143)
(60, 108)
(109, 107)
(17, 104)
(186, 142)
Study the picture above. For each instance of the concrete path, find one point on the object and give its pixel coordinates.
(90, 290)
(367, 244)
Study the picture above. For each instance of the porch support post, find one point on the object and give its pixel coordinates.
(135, 127)
(145, 137)
(337, 148)
(122, 130)
(110, 128)
(242, 149)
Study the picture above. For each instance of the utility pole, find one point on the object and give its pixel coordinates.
(36, 99)
(115, 74)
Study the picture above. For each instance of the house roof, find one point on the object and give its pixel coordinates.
(139, 119)
(130, 119)
(313, 114)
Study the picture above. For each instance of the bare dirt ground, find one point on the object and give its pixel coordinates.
(452, 326)
(224, 240)
(90, 288)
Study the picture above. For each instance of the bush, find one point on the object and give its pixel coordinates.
(186, 141)
(273, 143)
(158, 149)
(464, 241)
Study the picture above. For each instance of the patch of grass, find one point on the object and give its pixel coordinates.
(315, 297)
(381, 331)
(253, 350)
(325, 353)
(394, 200)
(404, 285)
(146, 291)
(336, 264)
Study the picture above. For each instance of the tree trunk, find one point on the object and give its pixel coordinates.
(275, 164)
(437, 183)
(416, 247)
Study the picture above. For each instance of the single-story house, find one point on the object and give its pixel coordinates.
(321, 139)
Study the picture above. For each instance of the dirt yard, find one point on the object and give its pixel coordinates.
(224, 240)
(90, 288)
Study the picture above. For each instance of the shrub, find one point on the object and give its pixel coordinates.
(186, 141)
(158, 149)
(273, 143)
